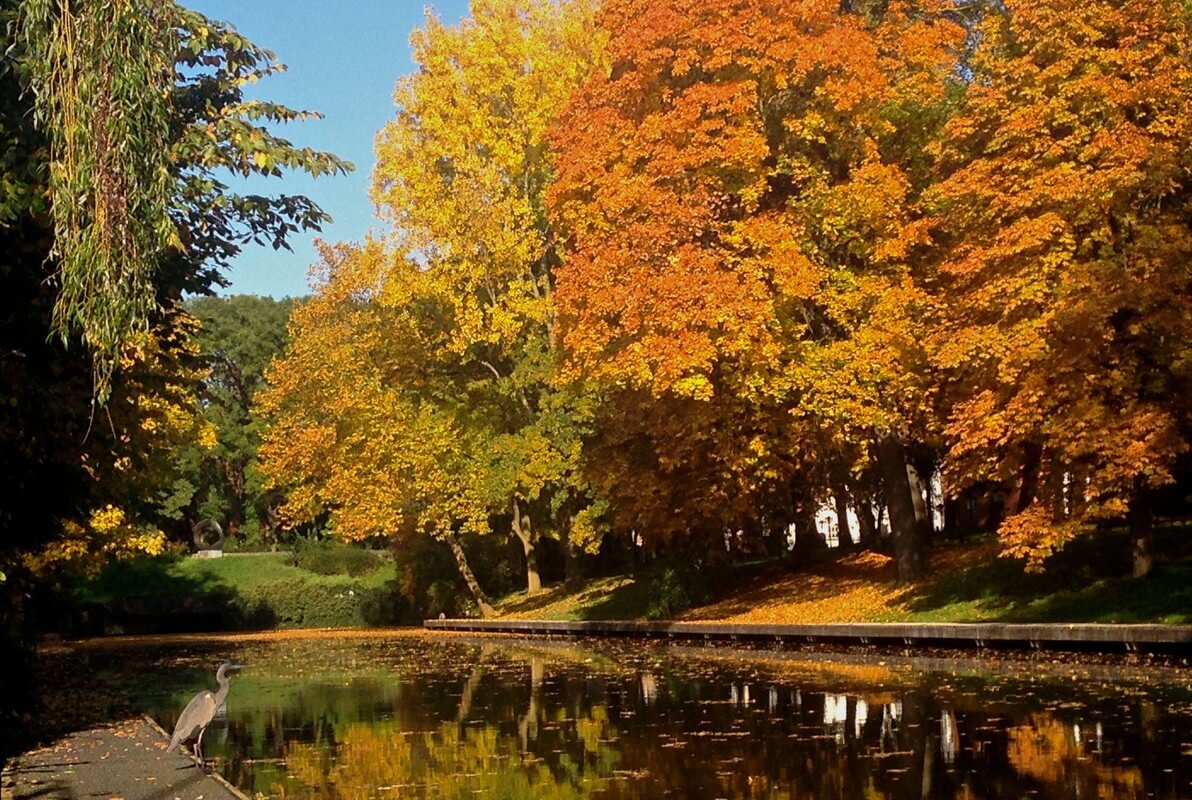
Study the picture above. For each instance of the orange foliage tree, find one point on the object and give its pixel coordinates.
(1063, 214)
(741, 196)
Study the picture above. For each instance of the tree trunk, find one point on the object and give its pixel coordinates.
(918, 497)
(469, 694)
(529, 723)
(461, 561)
(900, 492)
(1027, 483)
(929, 508)
(572, 563)
(272, 519)
(955, 520)
(1141, 532)
(843, 534)
(236, 481)
(775, 539)
(866, 527)
(807, 536)
(523, 530)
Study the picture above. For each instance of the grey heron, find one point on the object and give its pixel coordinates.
(199, 712)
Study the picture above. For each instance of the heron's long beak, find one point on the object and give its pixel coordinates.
(234, 667)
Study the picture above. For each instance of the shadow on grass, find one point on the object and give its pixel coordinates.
(150, 595)
(631, 600)
(623, 597)
(146, 596)
(635, 596)
(1088, 581)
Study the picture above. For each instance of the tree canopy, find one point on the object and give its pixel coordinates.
(83, 480)
(237, 338)
(1062, 211)
(663, 276)
(420, 393)
(684, 274)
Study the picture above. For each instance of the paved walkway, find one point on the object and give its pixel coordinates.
(122, 761)
(1055, 636)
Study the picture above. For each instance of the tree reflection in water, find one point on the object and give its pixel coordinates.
(440, 717)
(1054, 753)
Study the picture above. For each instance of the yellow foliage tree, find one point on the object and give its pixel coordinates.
(421, 388)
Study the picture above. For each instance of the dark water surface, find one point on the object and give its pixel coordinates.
(435, 716)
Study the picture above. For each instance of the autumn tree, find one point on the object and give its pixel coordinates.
(1063, 215)
(350, 445)
(443, 329)
(740, 193)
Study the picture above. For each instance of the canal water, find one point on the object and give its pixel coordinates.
(443, 716)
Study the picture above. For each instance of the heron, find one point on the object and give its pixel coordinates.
(199, 712)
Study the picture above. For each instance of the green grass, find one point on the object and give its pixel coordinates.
(611, 598)
(248, 571)
(620, 597)
(1087, 582)
(166, 577)
(1083, 584)
(233, 592)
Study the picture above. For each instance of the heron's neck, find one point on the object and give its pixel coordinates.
(222, 693)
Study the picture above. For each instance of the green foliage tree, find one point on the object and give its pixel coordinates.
(100, 76)
(237, 337)
(80, 480)
(141, 104)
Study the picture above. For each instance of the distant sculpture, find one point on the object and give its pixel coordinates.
(208, 535)
(199, 712)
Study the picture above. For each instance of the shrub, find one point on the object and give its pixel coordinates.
(301, 604)
(250, 539)
(385, 605)
(674, 589)
(428, 580)
(147, 596)
(329, 558)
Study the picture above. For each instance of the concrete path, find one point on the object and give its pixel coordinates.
(1054, 636)
(122, 761)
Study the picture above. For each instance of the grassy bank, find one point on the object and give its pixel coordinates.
(235, 592)
(962, 583)
(347, 587)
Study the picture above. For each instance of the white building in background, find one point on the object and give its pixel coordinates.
(827, 523)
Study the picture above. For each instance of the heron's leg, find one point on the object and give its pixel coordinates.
(199, 749)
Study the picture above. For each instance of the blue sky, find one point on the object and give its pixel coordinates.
(344, 58)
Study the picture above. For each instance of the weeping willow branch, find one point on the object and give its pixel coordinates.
(101, 72)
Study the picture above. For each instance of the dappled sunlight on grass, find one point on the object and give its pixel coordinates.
(602, 598)
(962, 583)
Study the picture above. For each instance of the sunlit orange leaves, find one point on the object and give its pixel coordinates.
(1064, 207)
(706, 179)
(688, 267)
(740, 199)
